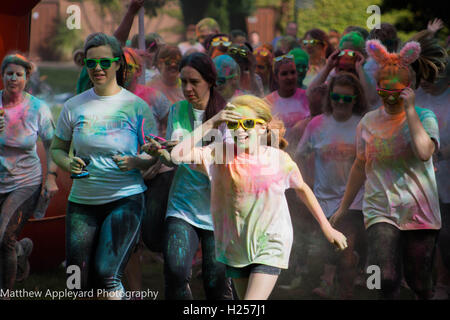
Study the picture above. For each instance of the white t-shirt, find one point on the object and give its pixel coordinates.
(440, 105)
(333, 146)
(99, 128)
(198, 116)
(185, 46)
(20, 165)
(251, 218)
(400, 189)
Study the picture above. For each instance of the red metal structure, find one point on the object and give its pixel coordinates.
(48, 234)
(15, 21)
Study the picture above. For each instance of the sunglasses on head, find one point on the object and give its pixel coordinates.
(312, 42)
(283, 57)
(239, 51)
(386, 93)
(222, 80)
(349, 53)
(105, 63)
(245, 123)
(224, 41)
(345, 98)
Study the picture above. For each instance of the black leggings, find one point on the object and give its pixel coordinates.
(444, 234)
(156, 198)
(16, 207)
(181, 241)
(390, 248)
(100, 239)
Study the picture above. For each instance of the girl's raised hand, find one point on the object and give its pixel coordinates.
(229, 113)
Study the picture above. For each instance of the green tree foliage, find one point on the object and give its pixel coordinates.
(332, 14)
(419, 14)
(230, 14)
(65, 41)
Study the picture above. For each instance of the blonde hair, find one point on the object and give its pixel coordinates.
(263, 111)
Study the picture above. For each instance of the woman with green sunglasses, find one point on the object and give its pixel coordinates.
(106, 126)
(328, 144)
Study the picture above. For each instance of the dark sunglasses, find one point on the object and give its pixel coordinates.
(241, 52)
(105, 63)
(386, 93)
(169, 62)
(345, 98)
(312, 42)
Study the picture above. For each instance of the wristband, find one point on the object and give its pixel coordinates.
(53, 173)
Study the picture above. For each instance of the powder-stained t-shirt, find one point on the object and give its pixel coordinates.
(99, 128)
(20, 165)
(158, 103)
(333, 146)
(189, 196)
(400, 189)
(252, 223)
(291, 110)
(156, 100)
(173, 93)
(440, 105)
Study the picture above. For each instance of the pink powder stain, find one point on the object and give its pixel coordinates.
(316, 123)
(254, 178)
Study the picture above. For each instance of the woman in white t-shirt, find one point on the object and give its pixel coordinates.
(23, 120)
(329, 139)
(106, 126)
(252, 224)
(394, 146)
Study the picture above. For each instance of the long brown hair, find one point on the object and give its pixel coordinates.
(205, 66)
(432, 59)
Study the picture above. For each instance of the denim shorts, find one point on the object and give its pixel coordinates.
(244, 272)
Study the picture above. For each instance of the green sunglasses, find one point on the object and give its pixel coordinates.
(350, 53)
(222, 80)
(105, 63)
(345, 98)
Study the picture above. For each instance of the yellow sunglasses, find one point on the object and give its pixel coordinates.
(217, 41)
(283, 57)
(245, 123)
